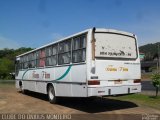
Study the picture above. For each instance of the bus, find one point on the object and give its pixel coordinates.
(94, 62)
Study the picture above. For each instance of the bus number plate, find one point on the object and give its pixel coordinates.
(118, 82)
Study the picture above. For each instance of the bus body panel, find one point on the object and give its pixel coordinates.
(117, 70)
(113, 90)
(66, 83)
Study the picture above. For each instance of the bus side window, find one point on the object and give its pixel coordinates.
(79, 49)
(17, 67)
(37, 58)
(25, 65)
(42, 58)
(54, 54)
(49, 56)
(32, 60)
(64, 53)
(25, 61)
(29, 60)
(21, 62)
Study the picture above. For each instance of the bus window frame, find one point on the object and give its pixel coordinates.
(80, 48)
(65, 52)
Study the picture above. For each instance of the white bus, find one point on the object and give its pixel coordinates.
(94, 62)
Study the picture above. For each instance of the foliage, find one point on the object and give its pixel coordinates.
(150, 50)
(7, 59)
(156, 81)
(6, 67)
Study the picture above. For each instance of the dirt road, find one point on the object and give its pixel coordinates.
(12, 101)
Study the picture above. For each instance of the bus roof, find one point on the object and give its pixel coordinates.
(82, 32)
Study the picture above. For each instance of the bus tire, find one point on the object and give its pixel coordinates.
(21, 88)
(51, 95)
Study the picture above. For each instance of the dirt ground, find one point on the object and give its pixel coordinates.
(12, 101)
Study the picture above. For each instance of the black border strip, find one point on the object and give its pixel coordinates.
(118, 34)
(54, 81)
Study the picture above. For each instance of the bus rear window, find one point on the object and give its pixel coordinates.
(109, 45)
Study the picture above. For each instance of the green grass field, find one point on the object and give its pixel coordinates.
(141, 100)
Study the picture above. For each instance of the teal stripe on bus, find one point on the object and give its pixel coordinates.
(65, 74)
(24, 73)
(60, 78)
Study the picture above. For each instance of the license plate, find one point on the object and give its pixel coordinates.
(118, 82)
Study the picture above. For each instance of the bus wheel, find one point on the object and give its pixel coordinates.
(51, 94)
(21, 88)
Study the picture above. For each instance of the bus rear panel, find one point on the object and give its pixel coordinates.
(115, 66)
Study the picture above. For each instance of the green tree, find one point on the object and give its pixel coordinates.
(6, 67)
(156, 82)
(7, 60)
(150, 50)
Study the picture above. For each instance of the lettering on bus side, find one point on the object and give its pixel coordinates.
(123, 69)
(35, 75)
(121, 53)
(111, 68)
(45, 75)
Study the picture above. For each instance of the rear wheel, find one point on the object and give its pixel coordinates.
(21, 88)
(51, 94)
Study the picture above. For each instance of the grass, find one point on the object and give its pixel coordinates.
(5, 84)
(141, 100)
(146, 76)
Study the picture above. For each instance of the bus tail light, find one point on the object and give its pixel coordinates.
(137, 81)
(93, 82)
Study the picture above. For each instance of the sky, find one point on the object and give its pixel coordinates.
(33, 23)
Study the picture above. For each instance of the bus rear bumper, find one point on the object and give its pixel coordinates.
(113, 90)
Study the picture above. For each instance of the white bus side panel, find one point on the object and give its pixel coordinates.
(79, 75)
(74, 84)
(71, 83)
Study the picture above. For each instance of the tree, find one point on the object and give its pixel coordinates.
(156, 82)
(7, 59)
(150, 51)
(6, 67)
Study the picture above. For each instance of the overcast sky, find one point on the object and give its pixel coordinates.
(33, 23)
